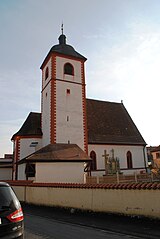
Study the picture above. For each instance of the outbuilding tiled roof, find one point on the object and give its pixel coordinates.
(58, 153)
(110, 123)
(107, 123)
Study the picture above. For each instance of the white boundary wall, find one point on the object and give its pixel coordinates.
(144, 202)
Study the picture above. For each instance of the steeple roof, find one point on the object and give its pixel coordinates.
(64, 49)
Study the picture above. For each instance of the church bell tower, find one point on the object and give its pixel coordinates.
(63, 96)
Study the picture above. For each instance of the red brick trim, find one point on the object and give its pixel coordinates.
(29, 137)
(53, 103)
(84, 109)
(19, 182)
(17, 148)
(16, 157)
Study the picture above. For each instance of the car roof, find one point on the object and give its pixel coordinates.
(4, 184)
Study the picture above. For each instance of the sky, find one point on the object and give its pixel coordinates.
(119, 38)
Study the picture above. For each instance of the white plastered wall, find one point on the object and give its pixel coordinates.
(21, 172)
(49, 65)
(25, 146)
(60, 172)
(69, 115)
(120, 152)
(60, 62)
(46, 107)
(69, 108)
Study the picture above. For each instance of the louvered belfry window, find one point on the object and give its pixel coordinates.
(68, 69)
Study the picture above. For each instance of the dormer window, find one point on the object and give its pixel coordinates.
(46, 73)
(68, 69)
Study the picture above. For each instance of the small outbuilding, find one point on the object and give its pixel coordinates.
(54, 163)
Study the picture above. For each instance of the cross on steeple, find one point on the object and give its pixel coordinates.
(62, 28)
(62, 37)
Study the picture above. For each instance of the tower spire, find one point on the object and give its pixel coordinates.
(62, 27)
(62, 37)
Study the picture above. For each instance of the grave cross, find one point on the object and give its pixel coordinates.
(105, 155)
(106, 161)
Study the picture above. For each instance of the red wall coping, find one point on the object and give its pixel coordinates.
(120, 186)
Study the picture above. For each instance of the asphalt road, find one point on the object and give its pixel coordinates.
(53, 223)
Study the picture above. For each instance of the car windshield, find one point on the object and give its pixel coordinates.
(8, 199)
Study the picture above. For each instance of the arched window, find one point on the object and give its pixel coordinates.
(94, 161)
(46, 73)
(68, 69)
(129, 160)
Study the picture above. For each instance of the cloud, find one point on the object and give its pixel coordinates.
(121, 40)
(129, 70)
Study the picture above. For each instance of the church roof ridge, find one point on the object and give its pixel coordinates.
(103, 101)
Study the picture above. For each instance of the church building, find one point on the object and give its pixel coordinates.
(73, 135)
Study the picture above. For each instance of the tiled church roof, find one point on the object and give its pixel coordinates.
(110, 123)
(107, 122)
(31, 127)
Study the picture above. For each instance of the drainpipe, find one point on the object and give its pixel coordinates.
(144, 155)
